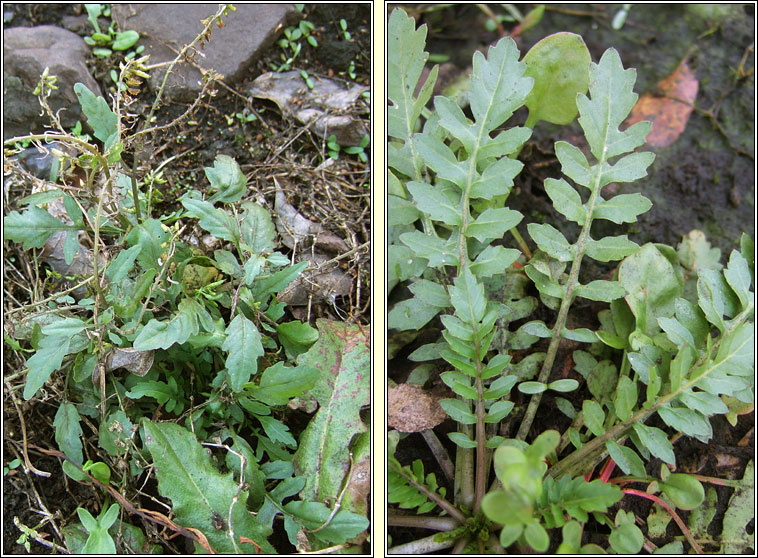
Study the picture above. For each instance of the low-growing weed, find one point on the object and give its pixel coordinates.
(675, 342)
(177, 365)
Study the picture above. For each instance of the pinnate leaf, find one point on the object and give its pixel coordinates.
(612, 98)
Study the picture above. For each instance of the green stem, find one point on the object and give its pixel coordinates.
(560, 322)
(589, 454)
(451, 510)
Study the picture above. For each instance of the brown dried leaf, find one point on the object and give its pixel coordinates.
(669, 107)
(412, 409)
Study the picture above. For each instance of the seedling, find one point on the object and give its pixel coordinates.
(106, 43)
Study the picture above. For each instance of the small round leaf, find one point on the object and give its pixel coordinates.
(560, 66)
(685, 491)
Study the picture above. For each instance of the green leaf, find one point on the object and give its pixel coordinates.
(460, 384)
(431, 293)
(566, 200)
(626, 398)
(125, 40)
(411, 314)
(161, 335)
(150, 236)
(343, 357)
(676, 332)
(563, 386)
(460, 439)
(122, 264)
(33, 227)
(602, 291)
(626, 539)
(498, 85)
(430, 247)
(280, 383)
(686, 421)
(530, 388)
(739, 514)
(656, 441)
(536, 536)
(497, 178)
(544, 284)
(296, 337)
(99, 540)
(704, 402)
(737, 274)
(494, 260)
(436, 204)
(404, 70)
(684, 490)
(627, 169)
(594, 417)
(277, 431)
(257, 229)
(198, 491)
(47, 359)
(498, 411)
(243, 342)
(401, 211)
(454, 121)
(624, 208)
(551, 240)
(652, 287)
(626, 459)
(313, 515)
(610, 248)
(441, 159)
(493, 223)
(277, 282)
(612, 100)
(160, 391)
(573, 163)
(68, 432)
(467, 297)
(100, 117)
(458, 411)
(559, 65)
(216, 221)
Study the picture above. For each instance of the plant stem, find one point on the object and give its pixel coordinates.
(560, 321)
(671, 512)
(421, 546)
(587, 456)
(441, 502)
(440, 454)
(434, 523)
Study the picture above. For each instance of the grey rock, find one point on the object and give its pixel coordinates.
(26, 53)
(165, 29)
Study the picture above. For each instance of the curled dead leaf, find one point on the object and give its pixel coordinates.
(412, 409)
(136, 362)
(669, 107)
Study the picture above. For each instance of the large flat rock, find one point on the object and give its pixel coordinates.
(27, 51)
(165, 29)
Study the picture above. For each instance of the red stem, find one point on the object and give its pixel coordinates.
(671, 512)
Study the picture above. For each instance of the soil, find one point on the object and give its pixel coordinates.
(336, 195)
(705, 180)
